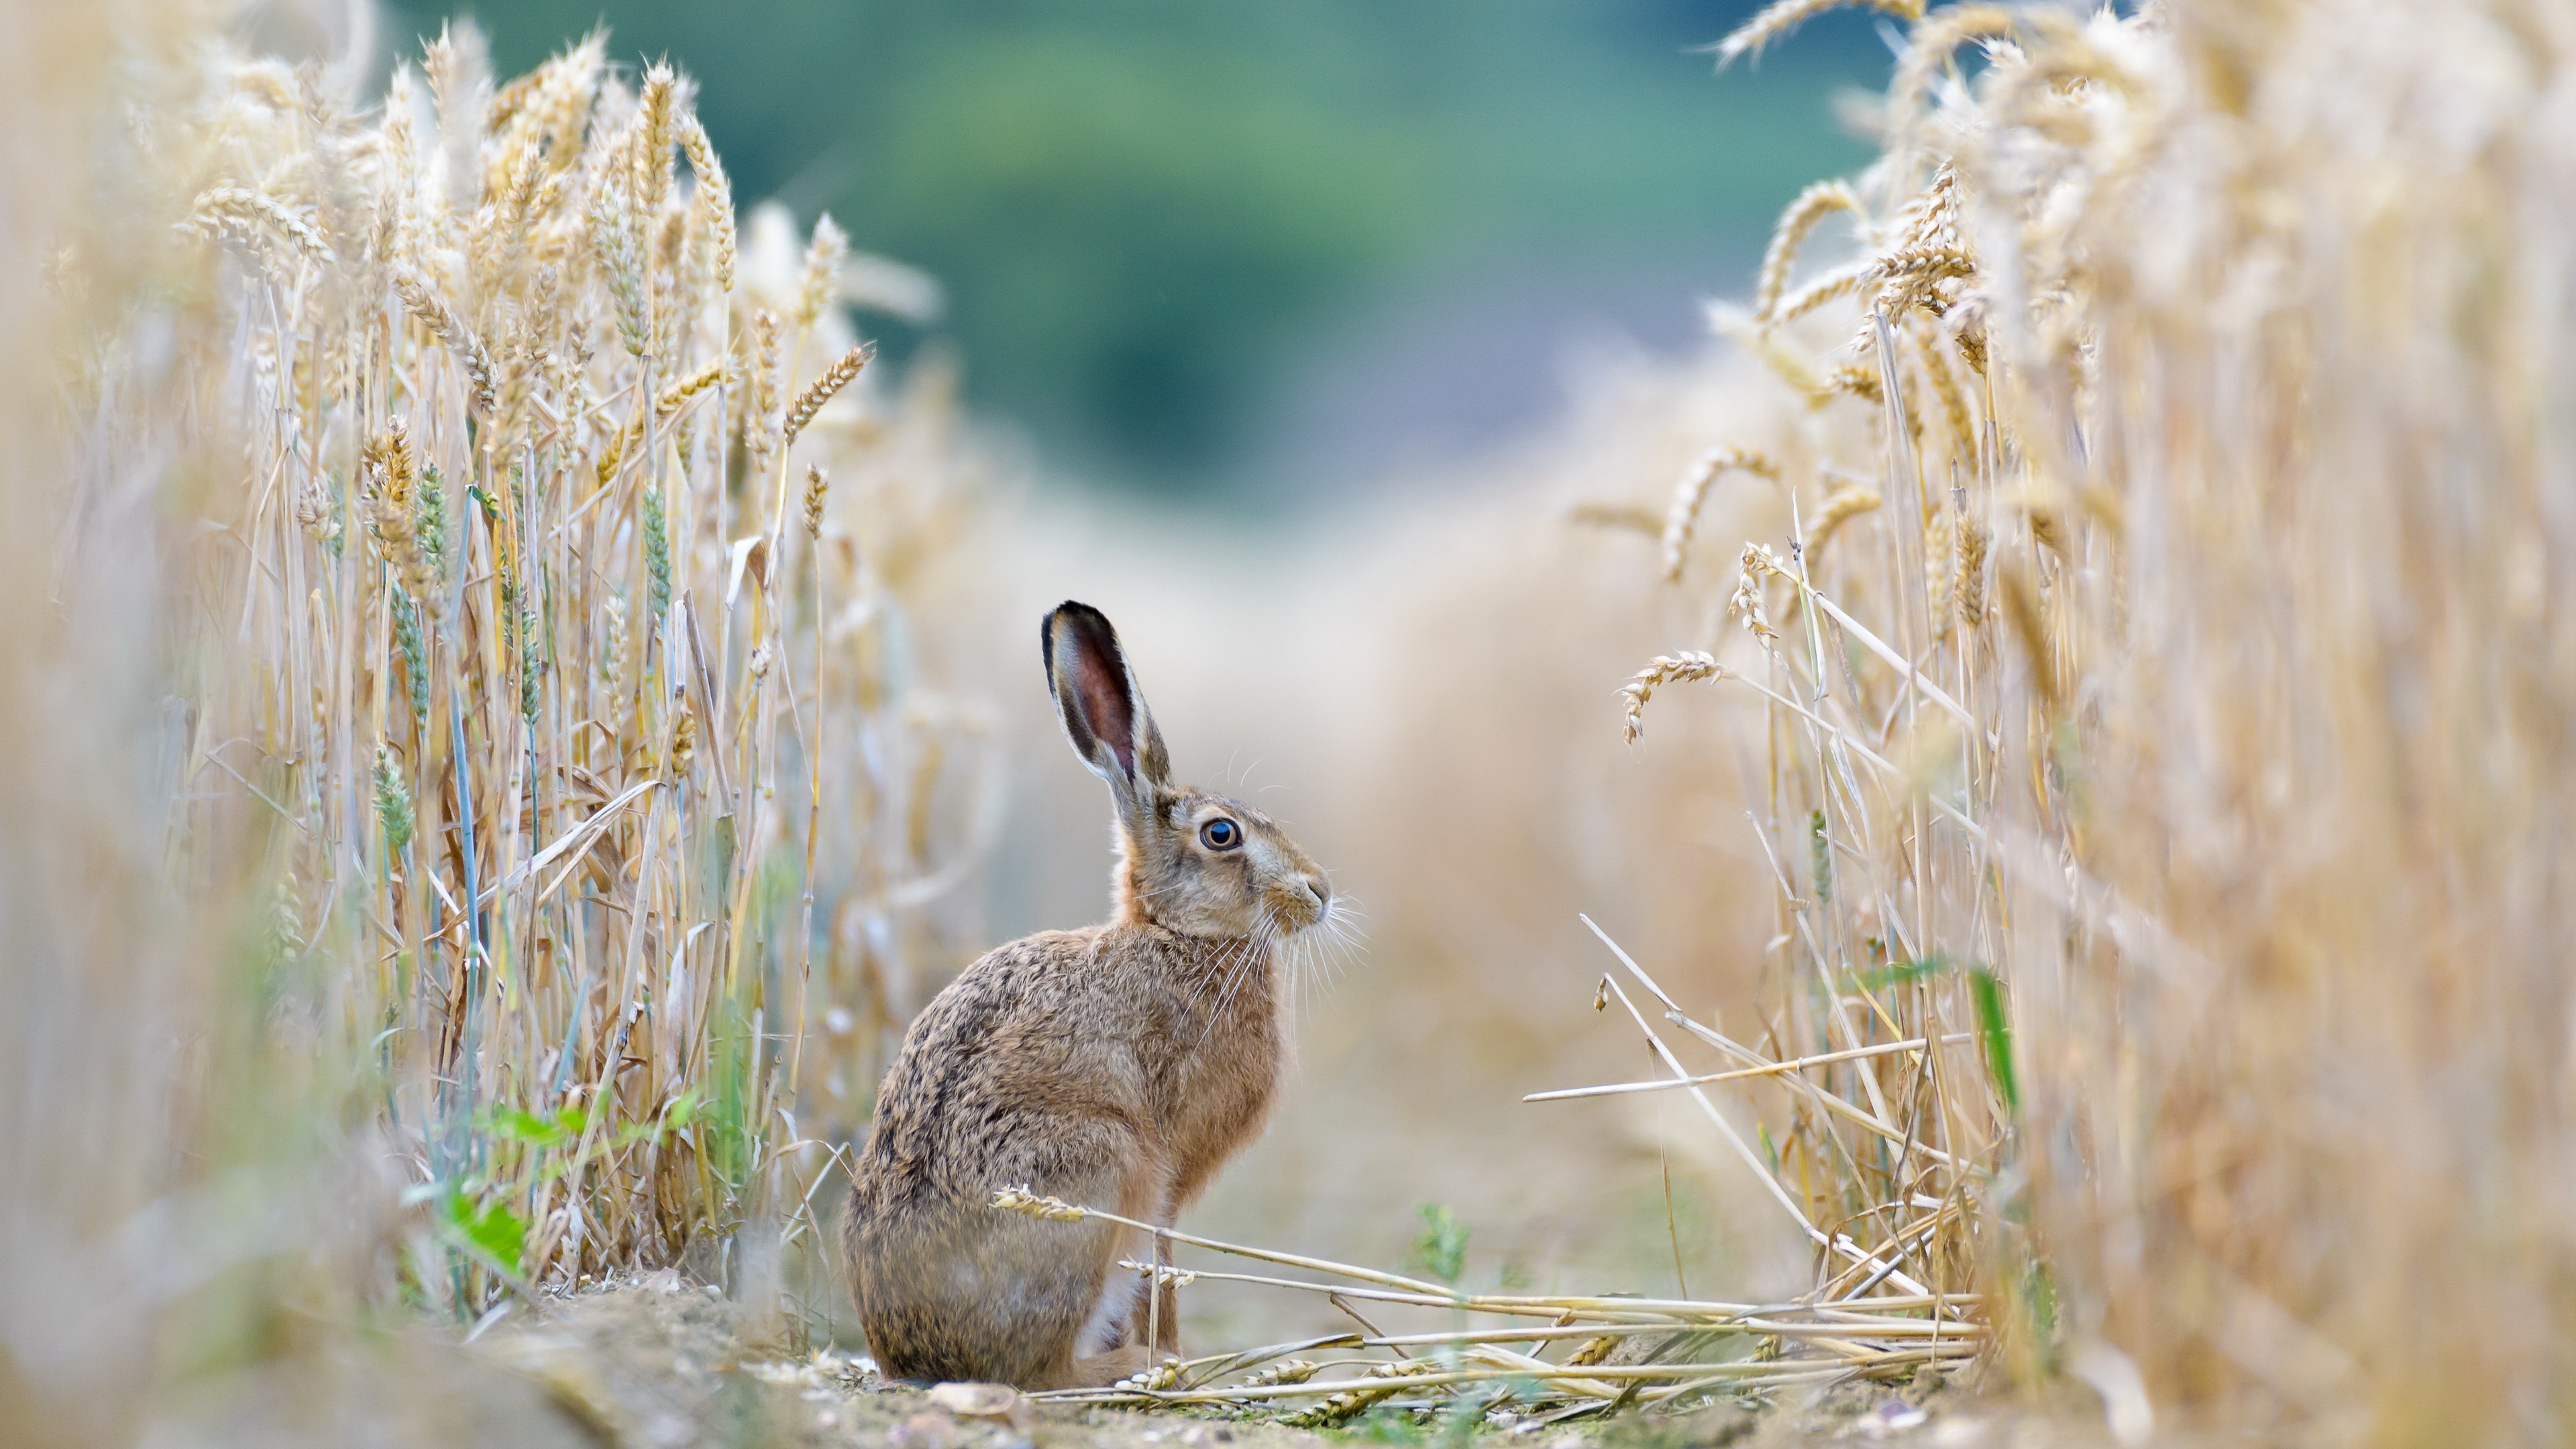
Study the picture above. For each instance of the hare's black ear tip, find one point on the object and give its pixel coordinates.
(1076, 615)
(1073, 614)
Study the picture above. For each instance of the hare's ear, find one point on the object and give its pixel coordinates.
(1104, 713)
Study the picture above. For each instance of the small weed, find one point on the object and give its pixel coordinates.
(1440, 1250)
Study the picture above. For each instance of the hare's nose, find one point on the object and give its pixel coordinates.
(1322, 891)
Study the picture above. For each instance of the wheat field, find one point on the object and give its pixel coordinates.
(480, 796)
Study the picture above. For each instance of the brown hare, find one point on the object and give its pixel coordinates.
(1116, 1067)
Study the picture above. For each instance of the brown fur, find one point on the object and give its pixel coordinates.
(1116, 1067)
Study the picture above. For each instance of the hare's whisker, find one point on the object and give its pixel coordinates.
(1232, 964)
(1258, 945)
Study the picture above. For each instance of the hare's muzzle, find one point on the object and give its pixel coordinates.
(1306, 898)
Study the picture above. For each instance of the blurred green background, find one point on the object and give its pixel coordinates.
(1254, 250)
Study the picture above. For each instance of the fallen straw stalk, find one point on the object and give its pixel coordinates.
(1406, 1290)
(1029, 1204)
(1642, 1313)
(1845, 1325)
(1813, 1351)
(1892, 1328)
(1859, 1335)
(1767, 1070)
(1749, 1368)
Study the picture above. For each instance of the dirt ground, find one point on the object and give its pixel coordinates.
(663, 1364)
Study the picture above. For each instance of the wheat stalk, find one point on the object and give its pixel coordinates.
(1681, 518)
(1686, 668)
(714, 198)
(1813, 205)
(821, 389)
(1777, 19)
(443, 323)
(821, 283)
(239, 211)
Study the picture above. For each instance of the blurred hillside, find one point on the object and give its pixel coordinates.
(1251, 250)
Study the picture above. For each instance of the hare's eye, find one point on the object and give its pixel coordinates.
(1220, 834)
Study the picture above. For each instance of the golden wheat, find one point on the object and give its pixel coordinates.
(497, 655)
(818, 489)
(1780, 17)
(820, 390)
(2175, 850)
(1663, 670)
(1681, 519)
(1813, 205)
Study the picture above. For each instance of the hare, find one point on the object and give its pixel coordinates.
(1115, 1067)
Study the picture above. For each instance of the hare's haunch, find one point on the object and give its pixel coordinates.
(1116, 1067)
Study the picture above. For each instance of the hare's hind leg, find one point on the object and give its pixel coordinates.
(1167, 1322)
(1119, 1308)
(1152, 1313)
(1100, 1370)
(1110, 1345)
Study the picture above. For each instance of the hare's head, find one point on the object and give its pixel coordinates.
(1189, 861)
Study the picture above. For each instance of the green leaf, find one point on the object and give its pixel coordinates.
(537, 1131)
(1903, 973)
(2039, 1301)
(1998, 1036)
(490, 1229)
(682, 1111)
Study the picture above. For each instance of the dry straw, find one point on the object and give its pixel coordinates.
(1693, 1348)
